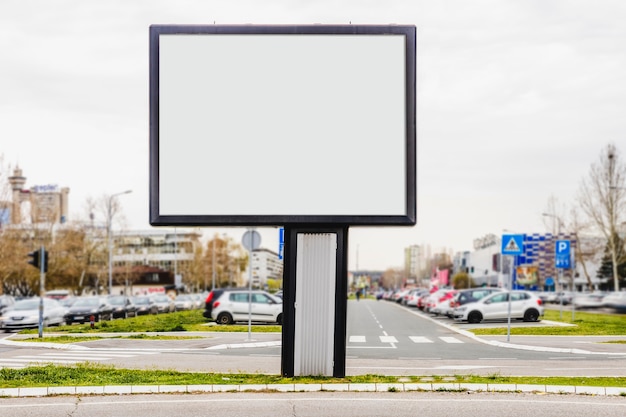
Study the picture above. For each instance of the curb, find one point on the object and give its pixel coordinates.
(359, 387)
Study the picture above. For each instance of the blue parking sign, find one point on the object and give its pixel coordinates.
(562, 254)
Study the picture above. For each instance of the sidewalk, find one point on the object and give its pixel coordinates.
(360, 387)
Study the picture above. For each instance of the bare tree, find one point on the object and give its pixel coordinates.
(602, 198)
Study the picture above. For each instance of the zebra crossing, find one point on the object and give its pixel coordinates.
(68, 357)
(359, 340)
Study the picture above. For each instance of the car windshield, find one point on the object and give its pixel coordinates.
(26, 305)
(119, 300)
(86, 302)
(142, 300)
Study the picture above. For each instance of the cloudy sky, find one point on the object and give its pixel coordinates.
(516, 100)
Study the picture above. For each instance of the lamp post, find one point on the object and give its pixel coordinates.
(109, 240)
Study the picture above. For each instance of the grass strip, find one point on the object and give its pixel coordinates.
(585, 324)
(181, 321)
(90, 374)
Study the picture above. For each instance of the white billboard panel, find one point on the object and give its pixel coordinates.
(277, 125)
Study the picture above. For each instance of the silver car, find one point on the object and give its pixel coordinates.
(25, 314)
(234, 306)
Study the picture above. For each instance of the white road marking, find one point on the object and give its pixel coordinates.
(357, 339)
(420, 339)
(450, 340)
(388, 339)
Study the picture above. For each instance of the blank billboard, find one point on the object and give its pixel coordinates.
(282, 125)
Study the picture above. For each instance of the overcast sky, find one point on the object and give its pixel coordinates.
(516, 100)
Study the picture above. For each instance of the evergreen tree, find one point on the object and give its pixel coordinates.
(605, 272)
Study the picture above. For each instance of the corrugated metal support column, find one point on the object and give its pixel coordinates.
(314, 306)
(315, 303)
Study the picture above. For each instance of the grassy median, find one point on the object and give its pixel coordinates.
(100, 375)
(583, 324)
(191, 321)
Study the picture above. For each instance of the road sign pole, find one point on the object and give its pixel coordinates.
(42, 286)
(512, 245)
(562, 260)
(508, 327)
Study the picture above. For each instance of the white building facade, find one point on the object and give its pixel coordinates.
(265, 265)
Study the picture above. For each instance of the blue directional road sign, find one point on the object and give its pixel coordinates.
(281, 243)
(562, 254)
(512, 244)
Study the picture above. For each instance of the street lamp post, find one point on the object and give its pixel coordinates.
(109, 237)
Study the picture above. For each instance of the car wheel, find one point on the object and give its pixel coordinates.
(224, 318)
(531, 315)
(279, 319)
(474, 317)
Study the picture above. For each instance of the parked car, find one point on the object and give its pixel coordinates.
(25, 314)
(144, 305)
(6, 301)
(398, 296)
(564, 297)
(469, 295)
(123, 306)
(442, 304)
(525, 305)
(234, 305)
(548, 297)
(208, 303)
(183, 302)
(589, 300)
(85, 307)
(422, 300)
(57, 294)
(436, 297)
(68, 301)
(616, 301)
(414, 296)
(163, 303)
(198, 300)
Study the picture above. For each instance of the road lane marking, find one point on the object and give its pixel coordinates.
(448, 339)
(388, 339)
(357, 339)
(420, 339)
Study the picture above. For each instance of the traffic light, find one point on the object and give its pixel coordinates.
(35, 261)
(45, 259)
(37, 257)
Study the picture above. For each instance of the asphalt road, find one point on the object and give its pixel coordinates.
(340, 404)
(382, 338)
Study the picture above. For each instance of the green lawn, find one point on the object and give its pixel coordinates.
(585, 324)
(98, 375)
(181, 321)
(188, 321)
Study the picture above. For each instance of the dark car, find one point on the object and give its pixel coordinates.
(208, 303)
(144, 305)
(85, 307)
(123, 306)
